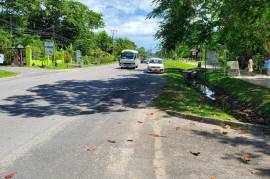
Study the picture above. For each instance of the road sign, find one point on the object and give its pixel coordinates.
(2, 58)
(49, 47)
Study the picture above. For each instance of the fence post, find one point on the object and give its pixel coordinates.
(28, 55)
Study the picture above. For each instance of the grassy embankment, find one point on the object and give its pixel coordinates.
(5, 74)
(59, 67)
(180, 97)
(251, 101)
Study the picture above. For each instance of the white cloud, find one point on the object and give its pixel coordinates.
(128, 17)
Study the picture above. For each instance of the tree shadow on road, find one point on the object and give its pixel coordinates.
(73, 98)
(257, 148)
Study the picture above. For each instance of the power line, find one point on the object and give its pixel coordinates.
(114, 31)
(33, 32)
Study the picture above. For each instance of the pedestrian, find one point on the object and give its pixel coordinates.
(250, 67)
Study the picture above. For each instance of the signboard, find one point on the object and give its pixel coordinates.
(49, 47)
(212, 57)
(78, 56)
(234, 68)
(2, 58)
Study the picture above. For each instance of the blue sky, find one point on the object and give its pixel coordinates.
(128, 17)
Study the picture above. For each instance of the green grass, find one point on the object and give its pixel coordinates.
(178, 96)
(176, 64)
(5, 74)
(59, 67)
(244, 94)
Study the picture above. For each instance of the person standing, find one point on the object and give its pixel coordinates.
(250, 67)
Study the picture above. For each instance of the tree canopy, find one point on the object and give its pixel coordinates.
(242, 27)
(71, 24)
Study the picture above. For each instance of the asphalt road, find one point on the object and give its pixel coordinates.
(95, 123)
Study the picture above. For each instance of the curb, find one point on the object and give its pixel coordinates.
(218, 122)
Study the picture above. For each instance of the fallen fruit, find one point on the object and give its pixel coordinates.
(196, 153)
(140, 122)
(247, 158)
(11, 175)
(111, 141)
(213, 177)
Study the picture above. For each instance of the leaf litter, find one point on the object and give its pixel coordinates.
(195, 153)
(10, 175)
(156, 135)
(90, 149)
(252, 171)
(111, 141)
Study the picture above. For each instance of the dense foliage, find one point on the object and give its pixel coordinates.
(242, 27)
(70, 23)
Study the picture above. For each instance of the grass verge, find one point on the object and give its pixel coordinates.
(253, 101)
(59, 67)
(176, 64)
(178, 96)
(5, 74)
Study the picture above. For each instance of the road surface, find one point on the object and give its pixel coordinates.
(95, 123)
(257, 79)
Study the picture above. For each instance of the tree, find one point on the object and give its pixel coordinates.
(122, 44)
(5, 44)
(143, 52)
(104, 42)
(243, 28)
(85, 41)
(49, 18)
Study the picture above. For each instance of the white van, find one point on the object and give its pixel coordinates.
(129, 59)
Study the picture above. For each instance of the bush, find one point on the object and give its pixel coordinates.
(107, 59)
(86, 60)
(68, 57)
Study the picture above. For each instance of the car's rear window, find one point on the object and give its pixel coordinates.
(156, 61)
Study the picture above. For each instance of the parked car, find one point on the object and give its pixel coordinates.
(155, 65)
(266, 67)
(144, 60)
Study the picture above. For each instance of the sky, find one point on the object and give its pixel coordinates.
(128, 17)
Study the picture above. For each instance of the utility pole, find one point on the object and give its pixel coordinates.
(54, 60)
(11, 33)
(114, 31)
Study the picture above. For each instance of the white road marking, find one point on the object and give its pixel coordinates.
(159, 160)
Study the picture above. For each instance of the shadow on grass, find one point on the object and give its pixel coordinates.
(180, 97)
(243, 96)
(73, 98)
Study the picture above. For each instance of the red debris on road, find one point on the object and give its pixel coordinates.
(10, 175)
